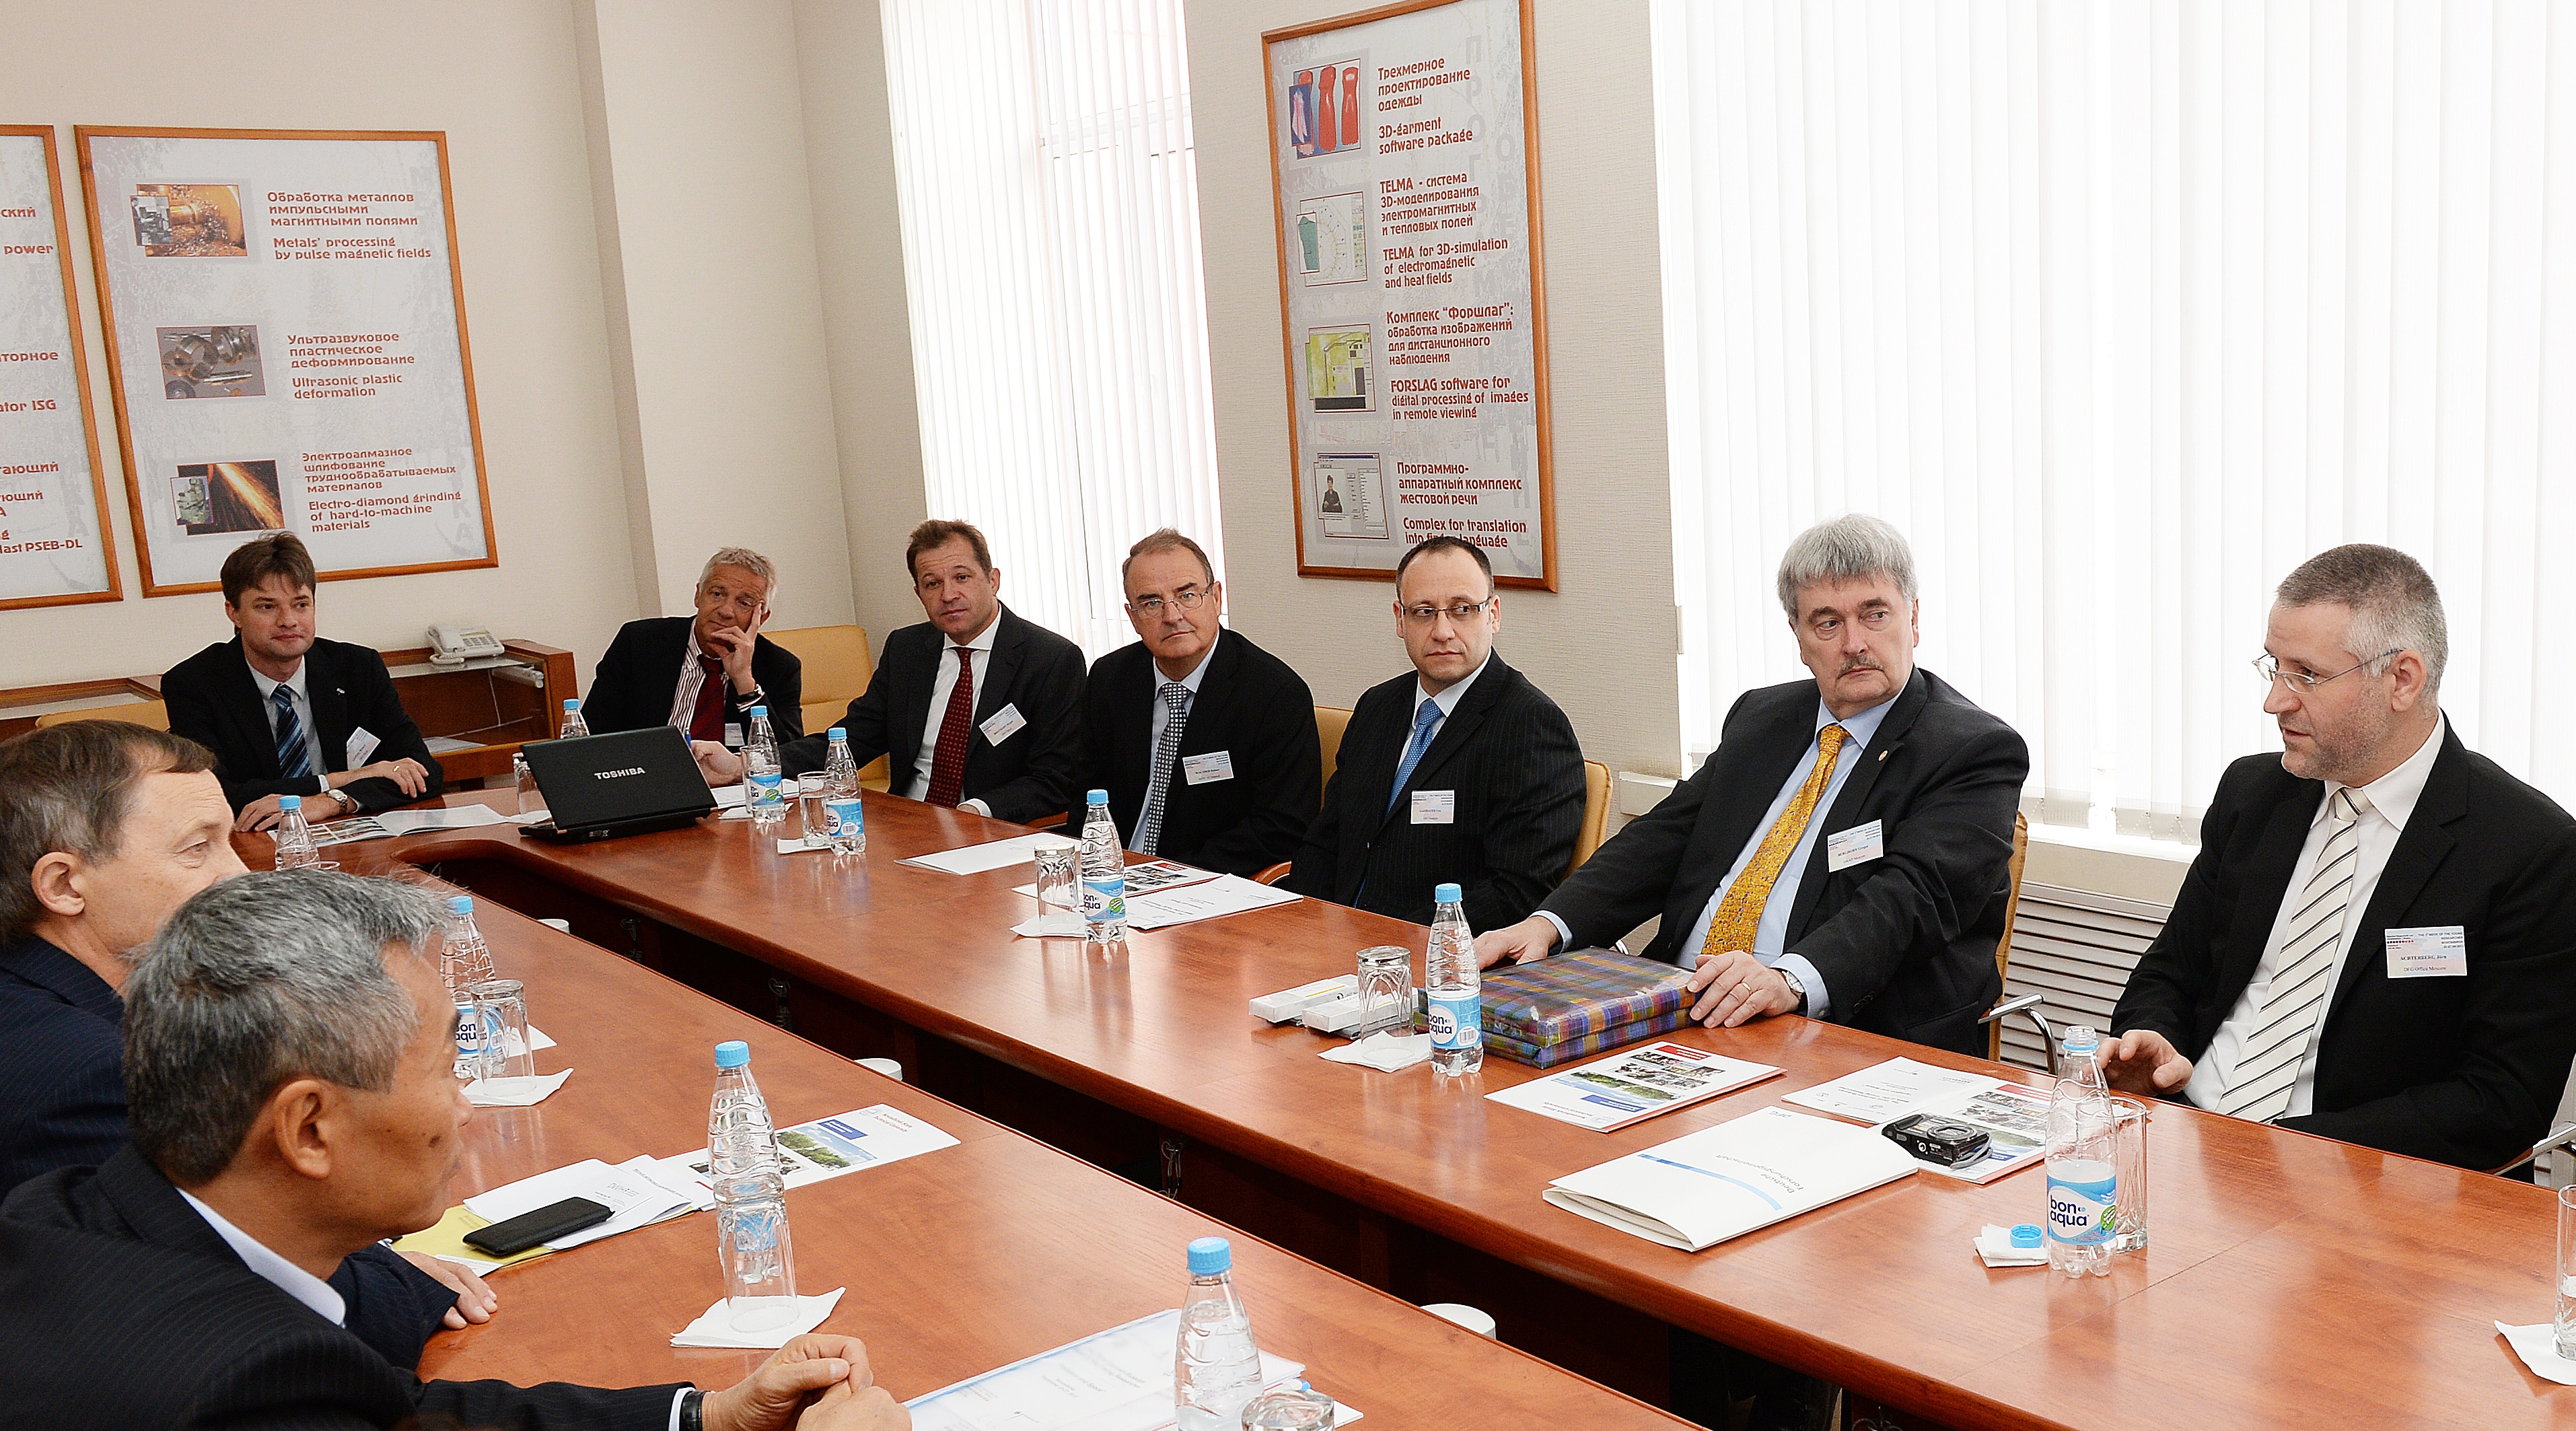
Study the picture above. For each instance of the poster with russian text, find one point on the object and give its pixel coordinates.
(54, 546)
(1416, 344)
(286, 327)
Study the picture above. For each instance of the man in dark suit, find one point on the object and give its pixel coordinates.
(1843, 852)
(1204, 741)
(2377, 941)
(289, 1049)
(108, 828)
(1459, 771)
(698, 675)
(973, 708)
(288, 713)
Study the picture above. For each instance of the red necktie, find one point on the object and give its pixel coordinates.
(948, 761)
(707, 721)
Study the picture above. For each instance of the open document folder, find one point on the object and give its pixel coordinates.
(1702, 1188)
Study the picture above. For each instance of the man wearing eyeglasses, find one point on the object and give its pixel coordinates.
(1204, 741)
(2377, 941)
(1460, 771)
(1843, 853)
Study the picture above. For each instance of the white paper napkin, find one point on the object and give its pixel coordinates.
(514, 1092)
(1385, 1051)
(805, 845)
(1995, 1244)
(2538, 1348)
(1054, 924)
(714, 1330)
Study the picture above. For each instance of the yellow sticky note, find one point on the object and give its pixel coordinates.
(447, 1239)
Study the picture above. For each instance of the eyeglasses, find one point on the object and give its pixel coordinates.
(1460, 614)
(1188, 598)
(2269, 668)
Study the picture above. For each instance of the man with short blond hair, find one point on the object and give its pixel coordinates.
(699, 674)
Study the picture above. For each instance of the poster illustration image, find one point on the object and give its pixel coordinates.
(1324, 109)
(54, 543)
(1346, 496)
(1332, 239)
(189, 220)
(211, 362)
(1337, 369)
(228, 497)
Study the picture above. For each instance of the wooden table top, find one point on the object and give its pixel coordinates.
(956, 1261)
(2288, 1273)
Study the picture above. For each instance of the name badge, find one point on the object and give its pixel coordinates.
(362, 743)
(1435, 807)
(1003, 724)
(1201, 769)
(1856, 846)
(2436, 951)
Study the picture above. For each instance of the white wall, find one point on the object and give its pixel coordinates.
(499, 77)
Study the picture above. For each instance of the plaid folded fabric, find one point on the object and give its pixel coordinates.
(1577, 994)
(1582, 1045)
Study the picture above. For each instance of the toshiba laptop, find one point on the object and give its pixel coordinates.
(628, 782)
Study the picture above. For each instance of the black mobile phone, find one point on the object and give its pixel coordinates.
(535, 1229)
(1938, 1140)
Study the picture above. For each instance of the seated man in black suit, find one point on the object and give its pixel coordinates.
(1002, 740)
(288, 713)
(698, 675)
(289, 1051)
(1843, 853)
(1204, 741)
(1459, 771)
(106, 829)
(2377, 941)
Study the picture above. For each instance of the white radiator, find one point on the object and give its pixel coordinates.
(2074, 949)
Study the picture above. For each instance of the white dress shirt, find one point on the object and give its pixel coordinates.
(940, 691)
(1447, 701)
(2392, 801)
(1163, 720)
(303, 715)
(1771, 933)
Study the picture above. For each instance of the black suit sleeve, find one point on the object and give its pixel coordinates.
(618, 685)
(374, 706)
(1053, 709)
(1534, 816)
(192, 707)
(391, 1305)
(1283, 765)
(550, 1406)
(2165, 989)
(864, 723)
(1628, 880)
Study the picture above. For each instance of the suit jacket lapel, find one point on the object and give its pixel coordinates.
(2420, 850)
(2266, 883)
(1456, 729)
(910, 676)
(993, 684)
(246, 710)
(330, 707)
(1212, 709)
(1853, 798)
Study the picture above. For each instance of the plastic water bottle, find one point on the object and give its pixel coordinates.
(1450, 977)
(1215, 1368)
(740, 1136)
(843, 815)
(573, 724)
(1104, 876)
(762, 792)
(840, 768)
(2082, 1174)
(464, 961)
(295, 847)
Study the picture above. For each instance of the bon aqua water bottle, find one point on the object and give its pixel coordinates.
(2083, 1200)
(1215, 1367)
(761, 789)
(465, 960)
(1104, 877)
(573, 724)
(295, 847)
(1454, 986)
(846, 817)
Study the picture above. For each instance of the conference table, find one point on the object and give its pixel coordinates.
(2288, 1276)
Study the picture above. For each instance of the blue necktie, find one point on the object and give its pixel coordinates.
(1423, 720)
(293, 760)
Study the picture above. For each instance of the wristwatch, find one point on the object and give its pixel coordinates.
(1790, 978)
(347, 802)
(755, 698)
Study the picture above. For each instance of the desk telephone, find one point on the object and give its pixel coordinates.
(455, 645)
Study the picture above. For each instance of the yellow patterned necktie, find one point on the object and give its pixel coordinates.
(1740, 913)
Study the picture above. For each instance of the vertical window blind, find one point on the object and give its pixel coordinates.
(1051, 257)
(2121, 309)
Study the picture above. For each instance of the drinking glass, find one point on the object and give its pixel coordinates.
(1059, 894)
(2129, 1169)
(1294, 1407)
(814, 823)
(1386, 990)
(754, 1248)
(531, 799)
(501, 1008)
(2566, 1317)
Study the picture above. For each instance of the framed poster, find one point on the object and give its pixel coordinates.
(1404, 169)
(54, 543)
(286, 330)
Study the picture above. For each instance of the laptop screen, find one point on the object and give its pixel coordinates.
(623, 775)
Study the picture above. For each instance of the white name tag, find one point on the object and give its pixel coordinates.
(1856, 846)
(1435, 807)
(2436, 951)
(1201, 769)
(1003, 724)
(362, 744)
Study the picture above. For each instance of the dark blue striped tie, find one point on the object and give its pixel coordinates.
(293, 760)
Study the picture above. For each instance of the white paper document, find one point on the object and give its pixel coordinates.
(1188, 904)
(1889, 1090)
(1632, 1086)
(824, 1148)
(728, 797)
(388, 823)
(635, 1196)
(1117, 1380)
(514, 1092)
(1147, 876)
(1702, 1188)
(2014, 1120)
(992, 855)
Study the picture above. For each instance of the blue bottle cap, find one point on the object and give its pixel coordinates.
(1445, 894)
(460, 904)
(2025, 1235)
(2081, 1039)
(760, 712)
(1097, 797)
(732, 1053)
(290, 802)
(1211, 1255)
(571, 705)
(837, 734)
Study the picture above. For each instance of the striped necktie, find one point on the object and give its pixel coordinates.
(2278, 1033)
(1176, 713)
(1740, 913)
(294, 762)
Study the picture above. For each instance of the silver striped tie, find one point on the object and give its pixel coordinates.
(1149, 826)
(2276, 1042)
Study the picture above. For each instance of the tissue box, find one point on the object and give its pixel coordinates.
(1287, 1004)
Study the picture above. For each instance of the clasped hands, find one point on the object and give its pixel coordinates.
(407, 774)
(817, 1382)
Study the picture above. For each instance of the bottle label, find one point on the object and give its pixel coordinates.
(1104, 898)
(2083, 1206)
(1456, 1020)
(849, 817)
(764, 788)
